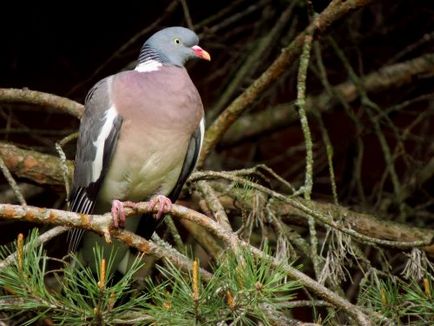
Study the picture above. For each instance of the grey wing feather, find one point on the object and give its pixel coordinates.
(85, 186)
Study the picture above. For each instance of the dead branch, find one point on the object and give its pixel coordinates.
(368, 224)
(282, 115)
(334, 218)
(26, 96)
(363, 223)
(38, 167)
(336, 10)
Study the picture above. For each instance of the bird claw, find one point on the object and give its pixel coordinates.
(118, 212)
(164, 203)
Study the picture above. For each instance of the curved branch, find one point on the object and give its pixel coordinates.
(62, 104)
(336, 10)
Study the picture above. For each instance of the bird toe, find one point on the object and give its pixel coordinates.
(118, 213)
(164, 205)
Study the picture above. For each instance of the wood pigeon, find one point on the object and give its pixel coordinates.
(139, 138)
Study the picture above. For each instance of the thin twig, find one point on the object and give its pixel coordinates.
(324, 132)
(370, 105)
(336, 10)
(308, 183)
(12, 120)
(231, 19)
(203, 238)
(44, 237)
(300, 104)
(10, 179)
(220, 15)
(187, 15)
(308, 209)
(277, 117)
(68, 138)
(214, 204)
(65, 170)
(175, 234)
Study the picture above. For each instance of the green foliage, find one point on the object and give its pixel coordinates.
(78, 298)
(242, 290)
(403, 302)
(244, 190)
(419, 300)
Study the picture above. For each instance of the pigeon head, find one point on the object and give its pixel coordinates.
(173, 45)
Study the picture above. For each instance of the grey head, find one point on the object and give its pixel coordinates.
(174, 46)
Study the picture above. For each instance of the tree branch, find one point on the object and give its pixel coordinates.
(38, 167)
(334, 218)
(336, 10)
(282, 115)
(102, 224)
(26, 96)
(46, 169)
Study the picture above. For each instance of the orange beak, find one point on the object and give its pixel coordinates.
(201, 53)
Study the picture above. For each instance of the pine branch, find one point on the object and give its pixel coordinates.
(102, 224)
(79, 296)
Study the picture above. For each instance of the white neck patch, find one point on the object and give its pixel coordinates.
(148, 66)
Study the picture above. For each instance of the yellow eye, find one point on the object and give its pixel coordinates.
(177, 41)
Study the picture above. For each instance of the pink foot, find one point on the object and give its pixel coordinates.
(164, 205)
(118, 212)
